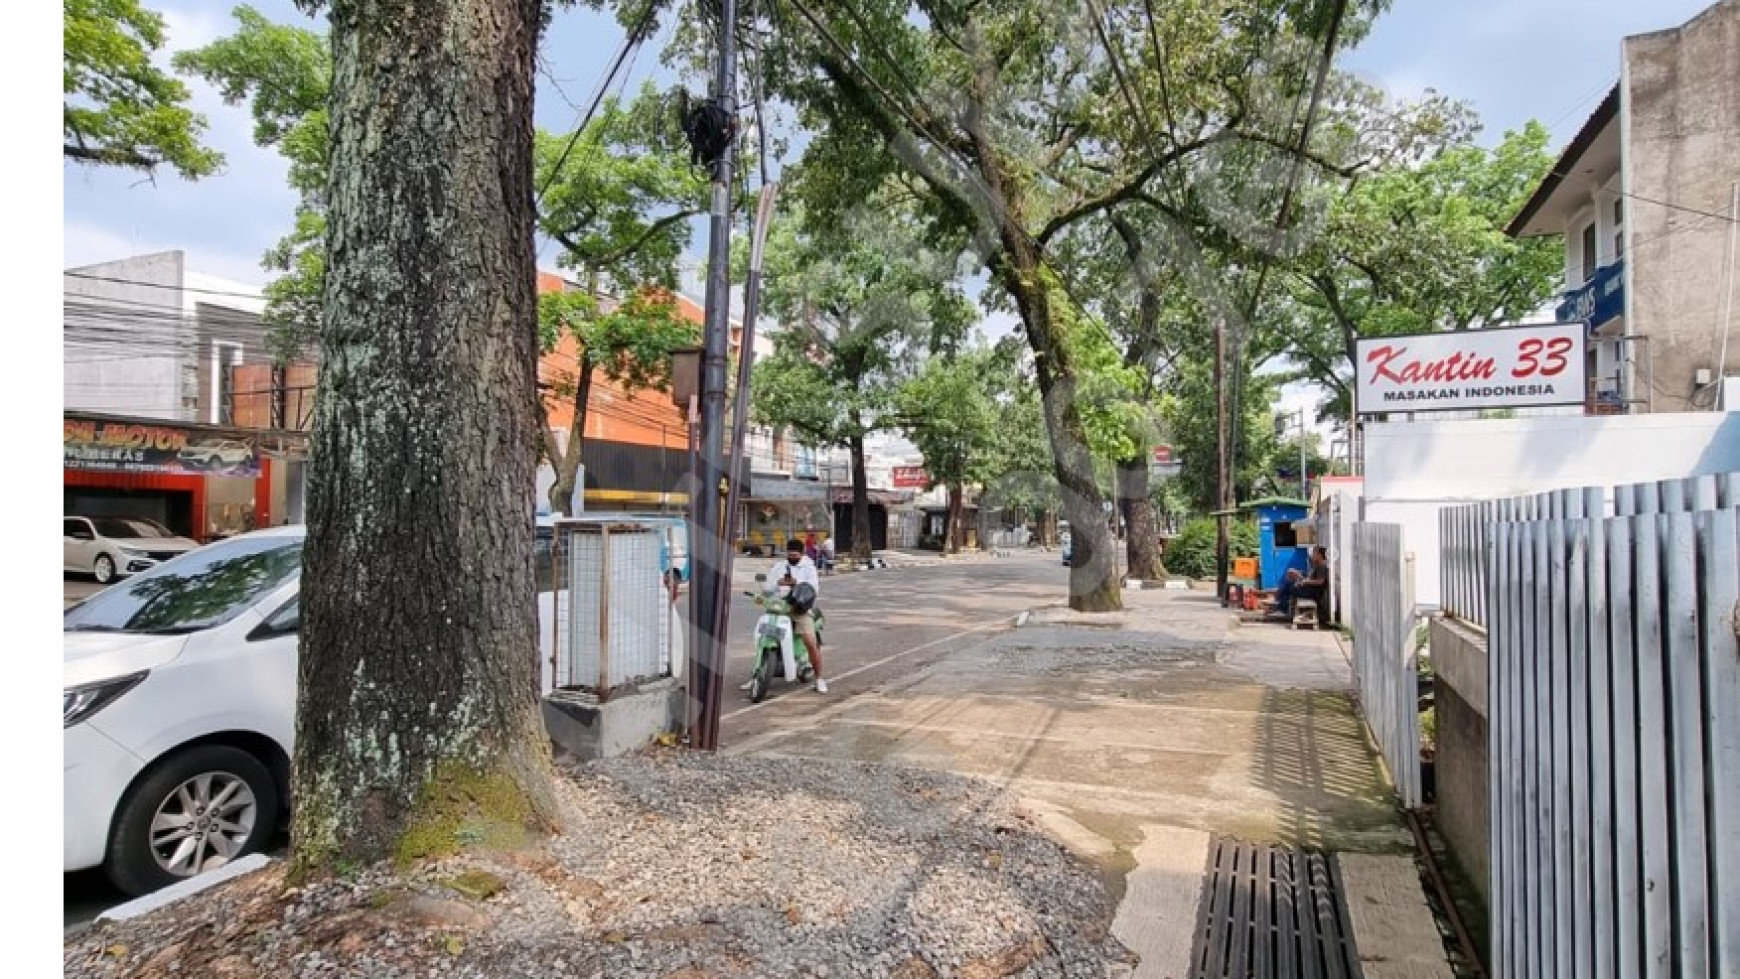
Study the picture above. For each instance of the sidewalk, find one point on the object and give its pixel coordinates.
(1143, 738)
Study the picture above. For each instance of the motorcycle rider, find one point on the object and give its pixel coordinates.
(798, 569)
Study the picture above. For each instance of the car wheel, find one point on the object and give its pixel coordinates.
(196, 811)
(104, 569)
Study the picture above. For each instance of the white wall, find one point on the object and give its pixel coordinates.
(1413, 470)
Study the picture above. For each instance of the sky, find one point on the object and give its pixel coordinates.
(1512, 59)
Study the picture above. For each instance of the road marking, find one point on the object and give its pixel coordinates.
(999, 623)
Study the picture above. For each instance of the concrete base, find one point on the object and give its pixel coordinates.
(1460, 656)
(581, 725)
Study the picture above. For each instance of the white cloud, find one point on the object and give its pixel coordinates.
(84, 243)
(193, 28)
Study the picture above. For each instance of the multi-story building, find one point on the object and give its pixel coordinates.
(162, 368)
(1647, 197)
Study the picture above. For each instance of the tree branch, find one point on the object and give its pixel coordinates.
(645, 236)
(109, 156)
(1128, 188)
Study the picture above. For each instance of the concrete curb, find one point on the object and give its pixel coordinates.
(158, 900)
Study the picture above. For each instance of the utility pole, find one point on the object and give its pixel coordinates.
(1222, 478)
(739, 426)
(718, 130)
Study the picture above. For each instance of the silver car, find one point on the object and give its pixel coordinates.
(112, 547)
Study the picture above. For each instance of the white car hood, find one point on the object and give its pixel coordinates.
(156, 543)
(92, 656)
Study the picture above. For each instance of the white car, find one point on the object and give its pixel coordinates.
(179, 711)
(113, 547)
(230, 452)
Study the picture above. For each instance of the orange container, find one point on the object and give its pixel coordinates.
(1244, 567)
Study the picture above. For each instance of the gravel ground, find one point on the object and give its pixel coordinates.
(675, 865)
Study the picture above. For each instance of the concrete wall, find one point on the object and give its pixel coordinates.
(127, 348)
(1415, 469)
(1680, 109)
(1459, 655)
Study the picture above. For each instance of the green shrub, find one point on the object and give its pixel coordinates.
(1191, 553)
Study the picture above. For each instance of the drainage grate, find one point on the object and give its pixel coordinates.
(1271, 913)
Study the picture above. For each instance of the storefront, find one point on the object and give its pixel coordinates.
(201, 481)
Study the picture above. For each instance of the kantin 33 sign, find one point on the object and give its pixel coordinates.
(1514, 367)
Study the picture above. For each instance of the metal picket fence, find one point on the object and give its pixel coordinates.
(1386, 659)
(1614, 727)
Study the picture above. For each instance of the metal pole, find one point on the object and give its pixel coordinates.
(740, 415)
(1304, 480)
(1222, 478)
(708, 588)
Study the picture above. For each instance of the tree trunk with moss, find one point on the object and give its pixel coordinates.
(1141, 529)
(418, 727)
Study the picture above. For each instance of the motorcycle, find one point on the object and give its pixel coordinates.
(779, 654)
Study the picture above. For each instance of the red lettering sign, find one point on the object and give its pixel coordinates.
(1392, 366)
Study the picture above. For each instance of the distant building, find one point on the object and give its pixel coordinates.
(1645, 198)
(174, 410)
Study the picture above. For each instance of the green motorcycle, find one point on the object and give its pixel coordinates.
(779, 654)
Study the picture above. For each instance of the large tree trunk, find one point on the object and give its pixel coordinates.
(1093, 576)
(568, 466)
(862, 546)
(1140, 528)
(417, 715)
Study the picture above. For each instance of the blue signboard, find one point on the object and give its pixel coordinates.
(1599, 300)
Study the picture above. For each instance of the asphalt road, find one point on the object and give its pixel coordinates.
(879, 624)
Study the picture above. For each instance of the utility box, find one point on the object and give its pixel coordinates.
(1279, 547)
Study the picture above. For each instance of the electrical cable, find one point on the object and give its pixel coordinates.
(631, 43)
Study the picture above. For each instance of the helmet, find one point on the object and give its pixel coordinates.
(803, 597)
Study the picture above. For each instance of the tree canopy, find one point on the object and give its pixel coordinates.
(120, 108)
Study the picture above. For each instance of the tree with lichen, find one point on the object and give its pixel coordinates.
(417, 725)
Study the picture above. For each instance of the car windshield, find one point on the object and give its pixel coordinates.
(202, 589)
(123, 527)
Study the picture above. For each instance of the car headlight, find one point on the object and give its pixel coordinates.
(80, 702)
(133, 552)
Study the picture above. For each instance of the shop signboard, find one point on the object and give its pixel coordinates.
(1513, 367)
(132, 447)
(910, 477)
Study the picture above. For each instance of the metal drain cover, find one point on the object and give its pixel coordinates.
(1271, 913)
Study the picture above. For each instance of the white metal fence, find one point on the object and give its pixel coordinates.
(1333, 528)
(1614, 738)
(1385, 656)
(613, 624)
(1465, 535)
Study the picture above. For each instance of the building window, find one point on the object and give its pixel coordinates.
(1619, 228)
(1589, 251)
(224, 358)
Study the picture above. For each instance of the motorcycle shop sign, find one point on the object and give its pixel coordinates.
(114, 446)
(1514, 367)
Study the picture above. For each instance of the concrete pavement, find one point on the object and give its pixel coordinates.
(1137, 736)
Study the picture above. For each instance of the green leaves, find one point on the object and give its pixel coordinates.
(631, 344)
(284, 73)
(119, 108)
(1420, 246)
(618, 198)
(862, 299)
(949, 412)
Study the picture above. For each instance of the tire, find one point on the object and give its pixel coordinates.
(103, 569)
(758, 681)
(183, 781)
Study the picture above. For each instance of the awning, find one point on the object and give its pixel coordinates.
(882, 498)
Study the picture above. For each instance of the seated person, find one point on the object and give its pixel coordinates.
(1284, 594)
(1315, 585)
